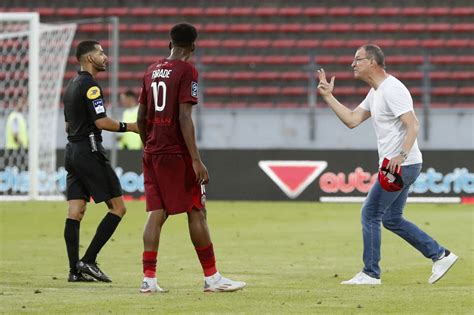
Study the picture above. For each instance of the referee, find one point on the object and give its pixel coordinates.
(89, 173)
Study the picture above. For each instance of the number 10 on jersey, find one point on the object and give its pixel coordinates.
(156, 87)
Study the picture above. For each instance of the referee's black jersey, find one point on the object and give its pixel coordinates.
(83, 105)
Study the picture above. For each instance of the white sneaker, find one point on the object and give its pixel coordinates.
(150, 285)
(441, 266)
(217, 283)
(362, 278)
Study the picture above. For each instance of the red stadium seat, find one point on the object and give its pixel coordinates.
(339, 11)
(290, 11)
(130, 60)
(240, 28)
(133, 43)
(215, 28)
(243, 75)
(288, 105)
(363, 11)
(265, 28)
(267, 75)
(466, 90)
(388, 11)
(283, 43)
(356, 43)
(242, 90)
(216, 11)
(439, 27)
(389, 27)
(315, 11)
(116, 11)
(462, 11)
(437, 11)
(432, 43)
(413, 27)
(226, 59)
(463, 27)
(67, 12)
(407, 43)
(444, 91)
(216, 90)
(340, 27)
(413, 11)
(162, 28)
(262, 105)
(300, 60)
(217, 75)
(249, 59)
(142, 11)
(315, 27)
(240, 11)
(290, 28)
(462, 75)
(292, 75)
(267, 90)
(293, 91)
(259, 43)
(141, 28)
(459, 43)
(166, 11)
(364, 27)
(208, 43)
(322, 60)
(92, 28)
(93, 11)
(192, 11)
(333, 43)
(45, 11)
(308, 43)
(157, 43)
(275, 59)
(266, 11)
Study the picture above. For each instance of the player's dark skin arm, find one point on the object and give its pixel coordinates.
(187, 129)
(141, 122)
(109, 124)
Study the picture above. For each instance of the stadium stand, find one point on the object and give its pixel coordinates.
(260, 56)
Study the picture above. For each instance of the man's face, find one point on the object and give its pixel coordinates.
(127, 101)
(98, 58)
(361, 64)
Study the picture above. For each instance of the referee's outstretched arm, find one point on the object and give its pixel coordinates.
(110, 124)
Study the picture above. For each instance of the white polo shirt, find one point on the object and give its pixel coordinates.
(386, 104)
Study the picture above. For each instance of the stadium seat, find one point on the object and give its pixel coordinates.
(259, 43)
(340, 27)
(413, 11)
(333, 43)
(290, 28)
(339, 11)
(233, 43)
(166, 11)
(93, 11)
(388, 27)
(267, 75)
(46, 11)
(314, 27)
(142, 11)
(266, 28)
(466, 90)
(413, 27)
(208, 43)
(308, 43)
(438, 11)
(240, 28)
(157, 43)
(133, 43)
(407, 43)
(462, 11)
(141, 28)
(283, 43)
(216, 90)
(315, 11)
(293, 91)
(240, 11)
(388, 11)
(192, 11)
(463, 27)
(242, 90)
(267, 90)
(116, 11)
(439, 27)
(459, 43)
(67, 12)
(363, 11)
(216, 28)
(290, 11)
(266, 11)
(364, 27)
(216, 11)
(92, 28)
(432, 43)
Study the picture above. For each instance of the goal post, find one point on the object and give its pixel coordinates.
(34, 57)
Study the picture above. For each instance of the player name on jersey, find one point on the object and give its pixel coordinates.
(161, 73)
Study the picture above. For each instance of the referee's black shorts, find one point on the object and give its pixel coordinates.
(89, 173)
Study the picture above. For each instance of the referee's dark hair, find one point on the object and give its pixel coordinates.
(130, 93)
(85, 47)
(375, 52)
(183, 35)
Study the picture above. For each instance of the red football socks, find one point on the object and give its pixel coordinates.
(149, 264)
(207, 259)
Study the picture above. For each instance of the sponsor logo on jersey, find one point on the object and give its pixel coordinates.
(194, 89)
(98, 106)
(93, 92)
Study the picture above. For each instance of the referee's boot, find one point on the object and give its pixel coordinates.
(79, 277)
(93, 270)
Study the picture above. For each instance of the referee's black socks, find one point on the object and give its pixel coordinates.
(71, 236)
(104, 231)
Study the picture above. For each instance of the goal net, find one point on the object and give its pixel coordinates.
(33, 60)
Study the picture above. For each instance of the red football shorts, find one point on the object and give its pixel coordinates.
(170, 184)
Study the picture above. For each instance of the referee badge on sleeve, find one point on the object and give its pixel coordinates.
(93, 92)
(98, 106)
(194, 89)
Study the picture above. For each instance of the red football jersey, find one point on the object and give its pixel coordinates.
(166, 84)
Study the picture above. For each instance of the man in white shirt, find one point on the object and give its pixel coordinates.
(390, 105)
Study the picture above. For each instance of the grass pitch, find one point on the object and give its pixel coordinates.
(292, 255)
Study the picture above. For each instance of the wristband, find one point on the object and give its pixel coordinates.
(122, 126)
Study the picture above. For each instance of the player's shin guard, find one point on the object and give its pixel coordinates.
(149, 264)
(207, 259)
(71, 236)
